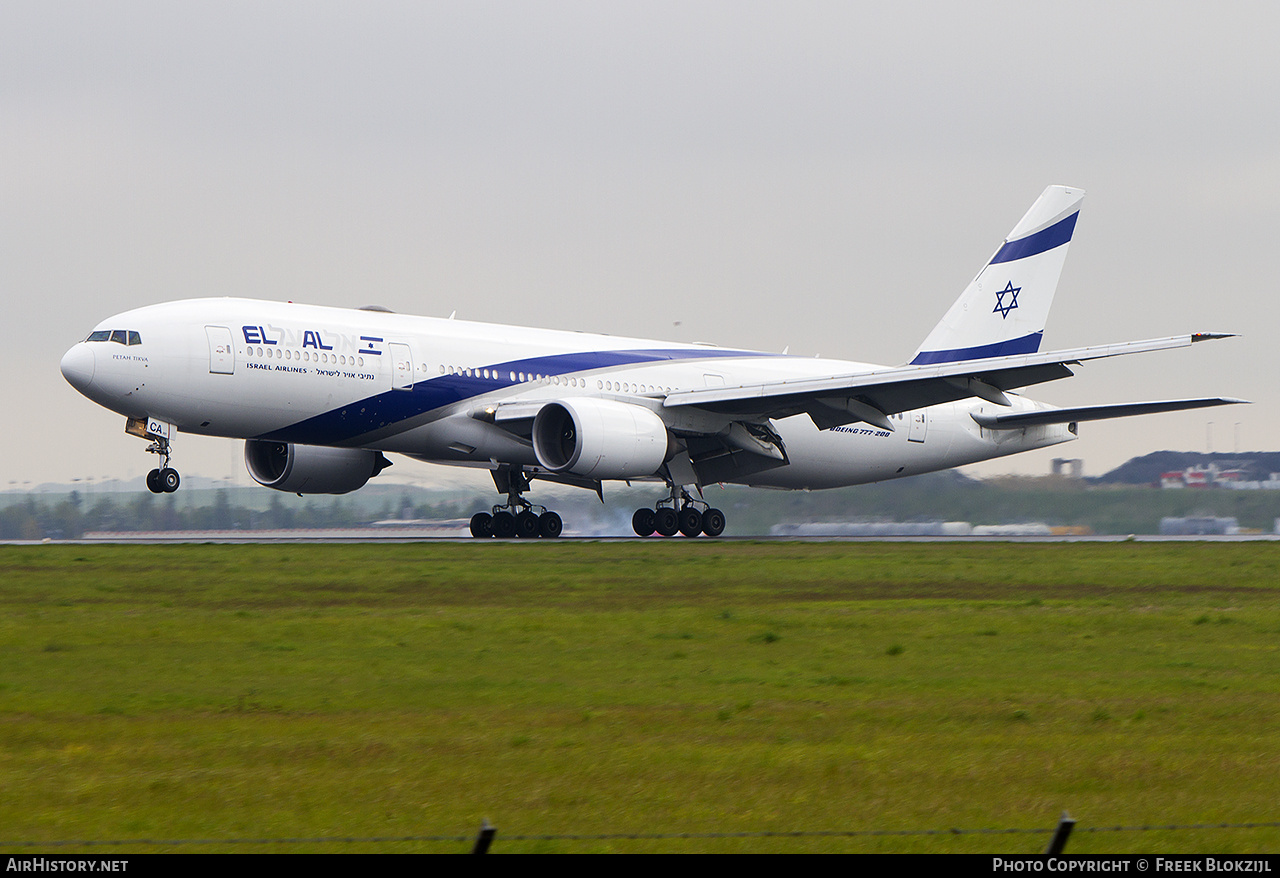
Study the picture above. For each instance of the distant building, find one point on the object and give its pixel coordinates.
(1033, 529)
(872, 529)
(1212, 475)
(1072, 468)
(1198, 525)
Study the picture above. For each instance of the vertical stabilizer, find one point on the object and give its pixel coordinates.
(1004, 309)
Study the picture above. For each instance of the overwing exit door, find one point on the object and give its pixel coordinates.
(401, 366)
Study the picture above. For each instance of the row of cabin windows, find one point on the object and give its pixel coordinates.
(119, 336)
(567, 380)
(306, 356)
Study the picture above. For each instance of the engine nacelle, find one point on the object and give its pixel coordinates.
(311, 469)
(599, 439)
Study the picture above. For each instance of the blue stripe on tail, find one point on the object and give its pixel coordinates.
(1028, 344)
(1044, 240)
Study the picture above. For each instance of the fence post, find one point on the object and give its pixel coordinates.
(485, 838)
(1060, 836)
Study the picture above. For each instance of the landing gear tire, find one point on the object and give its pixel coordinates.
(517, 517)
(690, 521)
(666, 522)
(550, 525)
(527, 525)
(643, 523)
(504, 525)
(164, 479)
(713, 522)
(169, 480)
(482, 525)
(681, 514)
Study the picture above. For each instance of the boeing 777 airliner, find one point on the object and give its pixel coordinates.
(322, 394)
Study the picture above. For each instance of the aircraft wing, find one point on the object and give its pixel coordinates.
(873, 396)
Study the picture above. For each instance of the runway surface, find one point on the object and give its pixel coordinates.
(401, 536)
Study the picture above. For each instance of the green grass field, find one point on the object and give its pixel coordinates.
(285, 691)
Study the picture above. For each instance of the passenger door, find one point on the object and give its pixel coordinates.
(915, 433)
(222, 351)
(401, 366)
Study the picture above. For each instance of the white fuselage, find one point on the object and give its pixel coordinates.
(324, 376)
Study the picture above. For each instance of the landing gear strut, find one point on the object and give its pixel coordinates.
(680, 513)
(164, 479)
(517, 517)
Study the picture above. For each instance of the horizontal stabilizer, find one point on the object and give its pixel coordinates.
(1097, 412)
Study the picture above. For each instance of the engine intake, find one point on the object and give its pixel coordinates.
(599, 439)
(311, 469)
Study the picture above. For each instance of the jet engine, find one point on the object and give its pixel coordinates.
(599, 439)
(311, 469)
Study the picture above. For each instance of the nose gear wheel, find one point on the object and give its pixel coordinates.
(164, 479)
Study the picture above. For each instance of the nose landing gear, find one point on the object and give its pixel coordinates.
(164, 479)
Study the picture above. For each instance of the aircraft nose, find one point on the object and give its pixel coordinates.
(77, 367)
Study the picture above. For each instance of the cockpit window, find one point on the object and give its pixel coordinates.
(119, 336)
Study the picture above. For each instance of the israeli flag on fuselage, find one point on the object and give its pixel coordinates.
(1004, 309)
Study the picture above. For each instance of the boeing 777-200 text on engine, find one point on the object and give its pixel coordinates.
(321, 394)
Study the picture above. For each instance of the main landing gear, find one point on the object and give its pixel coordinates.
(679, 514)
(164, 479)
(518, 517)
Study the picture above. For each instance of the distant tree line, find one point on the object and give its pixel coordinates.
(947, 496)
(34, 517)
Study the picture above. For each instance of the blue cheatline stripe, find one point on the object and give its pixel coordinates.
(1028, 344)
(390, 407)
(1046, 239)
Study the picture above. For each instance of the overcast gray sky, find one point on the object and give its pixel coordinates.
(823, 176)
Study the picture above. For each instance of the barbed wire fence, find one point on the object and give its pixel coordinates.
(484, 839)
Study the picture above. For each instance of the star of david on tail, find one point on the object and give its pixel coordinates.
(1002, 307)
